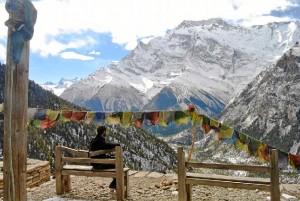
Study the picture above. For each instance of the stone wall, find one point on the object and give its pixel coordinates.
(38, 172)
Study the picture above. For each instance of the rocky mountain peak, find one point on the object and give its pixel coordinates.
(269, 108)
(210, 22)
(206, 65)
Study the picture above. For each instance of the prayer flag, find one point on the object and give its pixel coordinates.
(263, 152)
(89, 117)
(137, 119)
(194, 117)
(231, 140)
(50, 120)
(166, 117)
(206, 124)
(253, 146)
(241, 141)
(36, 122)
(99, 117)
(66, 115)
(78, 115)
(113, 118)
(40, 114)
(294, 161)
(151, 118)
(226, 132)
(126, 119)
(181, 117)
(214, 123)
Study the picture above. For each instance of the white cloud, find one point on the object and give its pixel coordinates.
(2, 53)
(131, 20)
(95, 53)
(74, 55)
(53, 46)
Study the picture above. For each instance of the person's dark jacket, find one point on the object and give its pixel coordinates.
(99, 143)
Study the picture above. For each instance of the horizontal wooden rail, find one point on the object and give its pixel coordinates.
(229, 178)
(254, 168)
(88, 160)
(99, 152)
(74, 152)
(229, 184)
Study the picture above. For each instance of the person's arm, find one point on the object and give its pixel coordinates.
(108, 145)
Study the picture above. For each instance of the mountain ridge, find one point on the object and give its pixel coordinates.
(212, 58)
(268, 109)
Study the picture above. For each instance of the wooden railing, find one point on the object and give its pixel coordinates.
(186, 180)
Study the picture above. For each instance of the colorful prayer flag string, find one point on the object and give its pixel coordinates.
(45, 118)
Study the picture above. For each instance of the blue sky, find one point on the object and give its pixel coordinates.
(74, 38)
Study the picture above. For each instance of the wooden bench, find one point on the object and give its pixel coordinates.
(186, 180)
(77, 162)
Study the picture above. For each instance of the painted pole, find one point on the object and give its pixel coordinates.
(22, 17)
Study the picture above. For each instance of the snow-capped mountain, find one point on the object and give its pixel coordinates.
(203, 62)
(269, 107)
(60, 87)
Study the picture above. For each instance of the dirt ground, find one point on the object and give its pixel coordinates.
(150, 187)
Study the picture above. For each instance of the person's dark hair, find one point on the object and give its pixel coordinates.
(101, 130)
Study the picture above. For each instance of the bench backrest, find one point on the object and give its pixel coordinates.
(64, 155)
(273, 165)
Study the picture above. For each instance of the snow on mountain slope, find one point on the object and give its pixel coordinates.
(269, 108)
(60, 87)
(210, 60)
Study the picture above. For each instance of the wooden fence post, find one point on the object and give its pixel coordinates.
(119, 173)
(182, 194)
(16, 98)
(58, 167)
(275, 190)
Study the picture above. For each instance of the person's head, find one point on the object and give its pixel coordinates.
(101, 131)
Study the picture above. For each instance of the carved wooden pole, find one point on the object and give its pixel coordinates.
(22, 17)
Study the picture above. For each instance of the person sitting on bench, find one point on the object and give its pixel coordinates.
(99, 143)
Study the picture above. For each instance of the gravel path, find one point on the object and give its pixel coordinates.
(142, 188)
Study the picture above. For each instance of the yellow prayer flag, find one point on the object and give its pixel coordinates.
(214, 123)
(89, 117)
(226, 131)
(113, 119)
(240, 145)
(52, 114)
(181, 117)
(195, 117)
(126, 118)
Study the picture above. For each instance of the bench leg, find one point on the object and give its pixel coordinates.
(59, 184)
(127, 184)
(66, 183)
(120, 187)
(189, 192)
